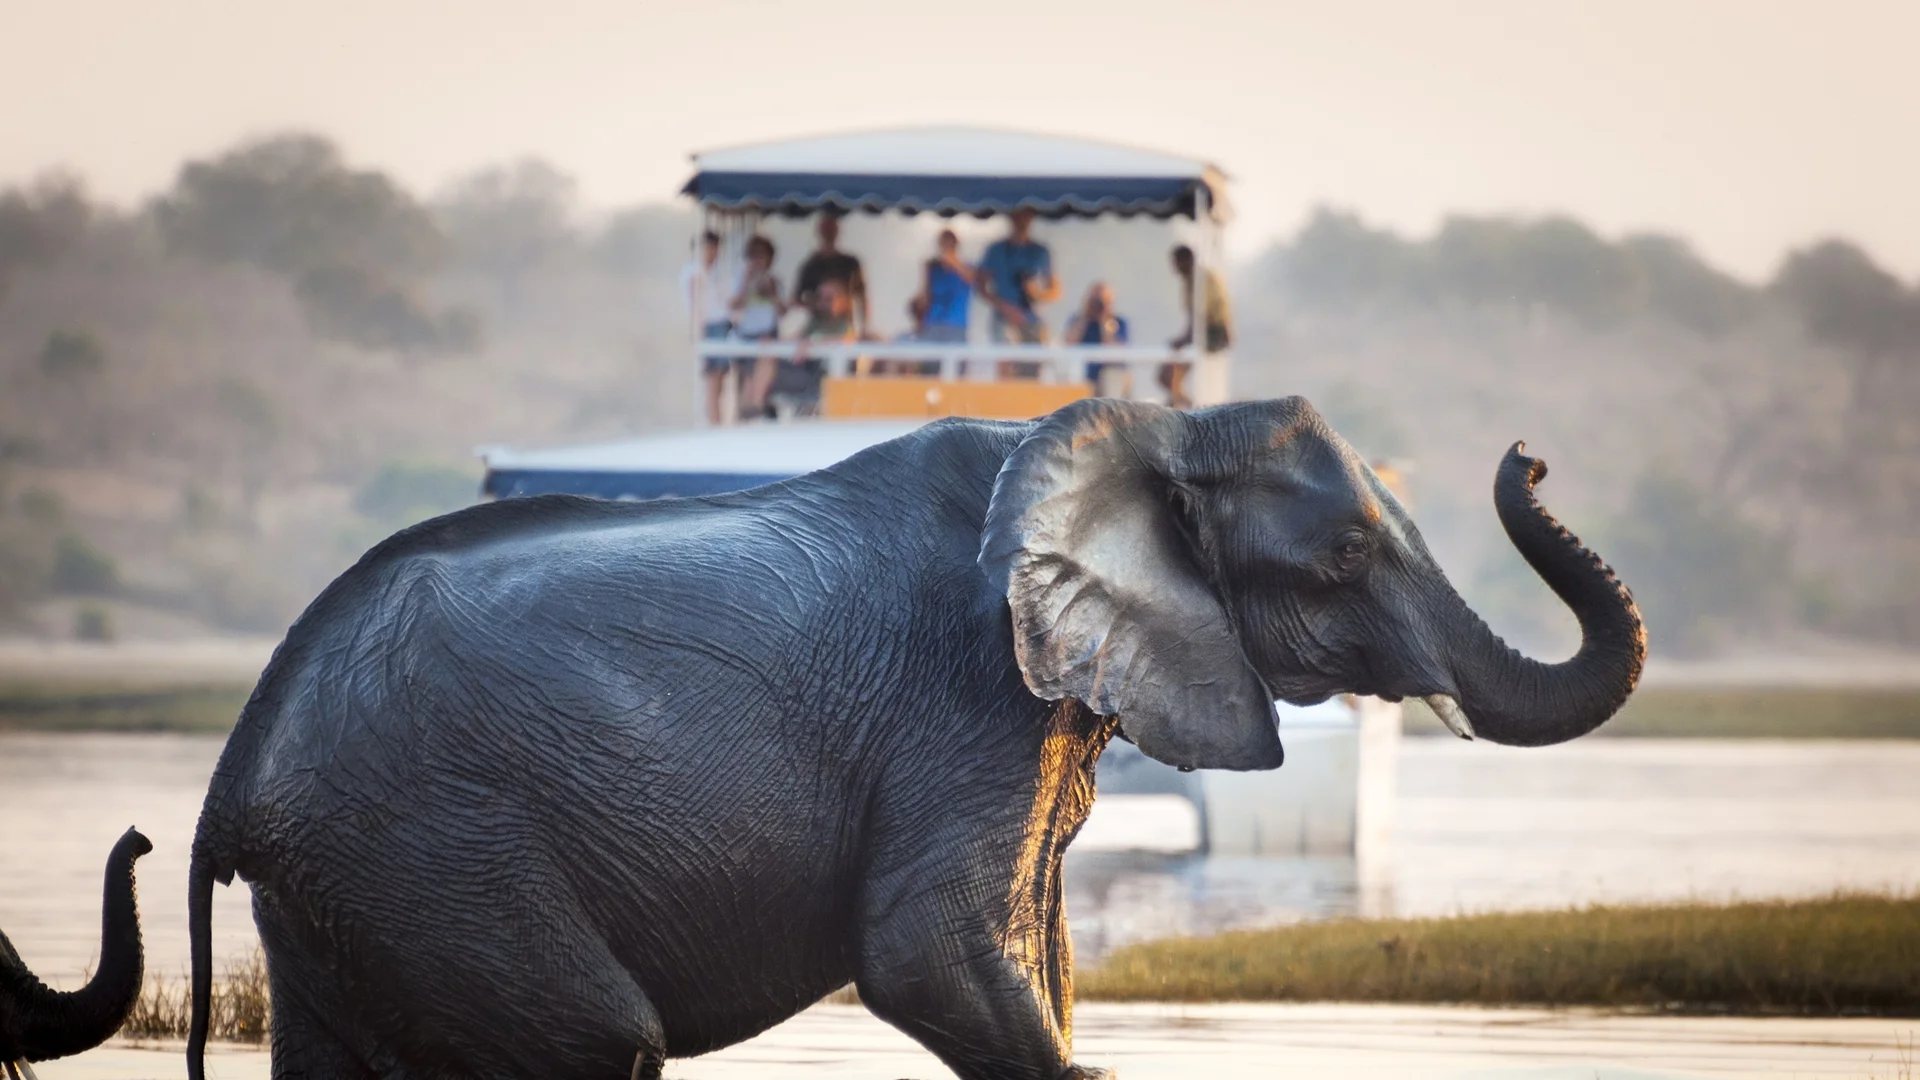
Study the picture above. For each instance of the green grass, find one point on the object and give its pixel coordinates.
(1849, 955)
(1734, 713)
(1759, 712)
(73, 705)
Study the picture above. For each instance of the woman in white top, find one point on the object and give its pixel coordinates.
(706, 294)
(756, 312)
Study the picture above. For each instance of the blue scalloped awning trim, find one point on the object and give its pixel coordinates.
(799, 194)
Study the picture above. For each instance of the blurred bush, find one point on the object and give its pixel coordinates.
(355, 246)
(1700, 570)
(72, 354)
(1339, 263)
(92, 623)
(405, 492)
(40, 223)
(80, 569)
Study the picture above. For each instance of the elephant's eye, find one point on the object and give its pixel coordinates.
(1350, 554)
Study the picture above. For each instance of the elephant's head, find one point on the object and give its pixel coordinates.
(1181, 571)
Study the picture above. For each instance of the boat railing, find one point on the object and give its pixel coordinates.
(959, 362)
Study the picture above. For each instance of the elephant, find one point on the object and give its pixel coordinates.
(38, 1023)
(568, 787)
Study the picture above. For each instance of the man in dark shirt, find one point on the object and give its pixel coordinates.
(829, 263)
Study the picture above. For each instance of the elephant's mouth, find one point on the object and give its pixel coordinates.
(1302, 689)
(1307, 690)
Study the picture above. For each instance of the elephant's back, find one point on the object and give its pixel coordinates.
(587, 733)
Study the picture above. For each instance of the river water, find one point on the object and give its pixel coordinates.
(1477, 827)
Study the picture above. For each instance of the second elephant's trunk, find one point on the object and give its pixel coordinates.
(62, 1024)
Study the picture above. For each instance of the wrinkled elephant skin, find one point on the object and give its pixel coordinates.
(561, 787)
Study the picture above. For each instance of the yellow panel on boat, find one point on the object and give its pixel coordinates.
(907, 396)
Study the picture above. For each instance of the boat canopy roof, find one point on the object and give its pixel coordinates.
(689, 463)
(952, 171)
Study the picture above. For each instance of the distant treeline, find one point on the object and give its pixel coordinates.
(211, 402)
(1768, 435)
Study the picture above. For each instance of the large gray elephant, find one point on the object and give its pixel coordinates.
(39, 1023)
(560, 787)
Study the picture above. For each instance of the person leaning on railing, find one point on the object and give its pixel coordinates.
(946, 291)
(830, 320)
(1096, 323)
(1217, 321)
(938, 312)
(756, 311)
(829, 263)
(1016, 275)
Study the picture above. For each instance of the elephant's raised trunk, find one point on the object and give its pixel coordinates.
(60, 1024)
(1517, 701)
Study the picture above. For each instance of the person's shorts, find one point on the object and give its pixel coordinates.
(1097, 368)
(940, 334)
(716, 365)
(1006, 333)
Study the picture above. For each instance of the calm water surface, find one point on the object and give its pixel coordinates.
(1477, 828)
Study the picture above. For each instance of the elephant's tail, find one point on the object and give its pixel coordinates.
(200, 876)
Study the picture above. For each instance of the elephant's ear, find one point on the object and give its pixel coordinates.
(1109, 605)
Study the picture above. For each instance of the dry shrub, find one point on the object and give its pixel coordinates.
(240, 1009)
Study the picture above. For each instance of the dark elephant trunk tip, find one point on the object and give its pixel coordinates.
(62, 1024)
(1521, 702)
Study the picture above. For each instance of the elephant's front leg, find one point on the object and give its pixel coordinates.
(964, 931)
(990, 996)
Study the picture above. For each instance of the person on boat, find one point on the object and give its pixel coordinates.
(831, 316)
(1216, 319)
(946, 292)
(829, 263)
(917, 319)
(1015, 276)
(830, 320)
(1097, 323)
(756, 310)
(703, 285)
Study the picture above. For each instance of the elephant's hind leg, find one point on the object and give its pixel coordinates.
(303, 993)
(304, 1050)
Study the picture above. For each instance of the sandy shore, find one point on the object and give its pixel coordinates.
(1241, 1042)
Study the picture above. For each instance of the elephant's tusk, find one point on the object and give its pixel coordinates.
(1451, 714)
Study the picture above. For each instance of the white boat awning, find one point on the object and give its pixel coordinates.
(955, 170)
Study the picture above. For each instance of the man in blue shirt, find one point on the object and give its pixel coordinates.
(1015, 275)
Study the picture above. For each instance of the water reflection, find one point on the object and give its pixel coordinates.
(1483, 828)
(1475, 827)
(1115, 898)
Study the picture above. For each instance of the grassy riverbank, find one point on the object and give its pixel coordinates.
(1845, 956)
(105, 704)
(1842, 956)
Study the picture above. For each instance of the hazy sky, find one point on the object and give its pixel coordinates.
(1747, 125)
